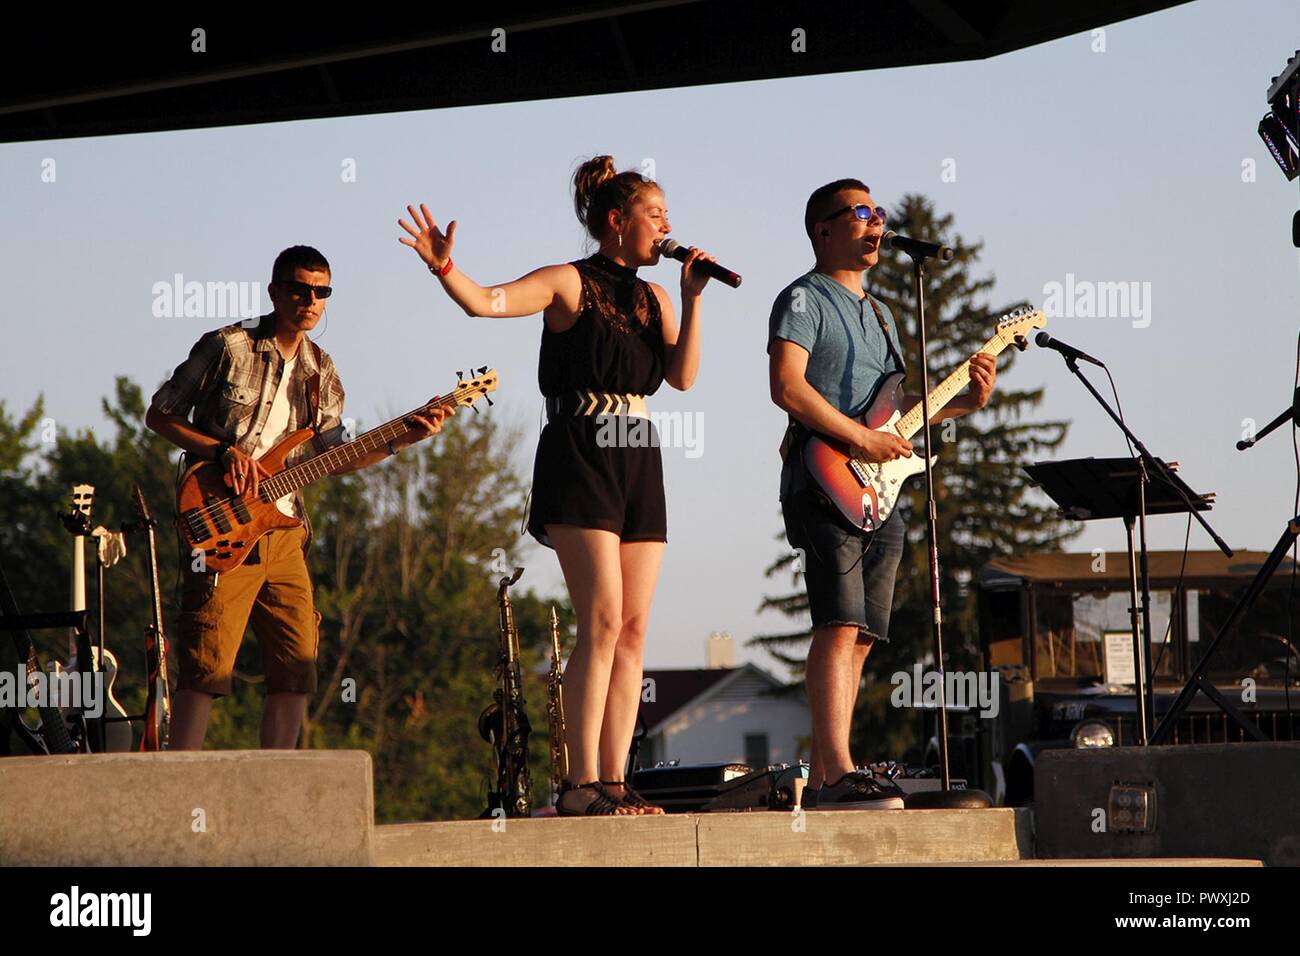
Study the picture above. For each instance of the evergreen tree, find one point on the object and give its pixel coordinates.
(984, 507)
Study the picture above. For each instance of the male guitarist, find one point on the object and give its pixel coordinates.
(247, 388)
(828, 351)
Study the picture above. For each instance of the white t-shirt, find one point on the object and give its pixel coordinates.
(277, 426)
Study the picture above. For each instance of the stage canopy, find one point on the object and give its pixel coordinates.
(96, 74)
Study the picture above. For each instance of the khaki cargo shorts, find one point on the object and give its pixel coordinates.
(274, 595)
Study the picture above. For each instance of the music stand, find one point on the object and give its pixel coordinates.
(1088, 489)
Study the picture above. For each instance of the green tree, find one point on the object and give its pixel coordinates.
(984, 507)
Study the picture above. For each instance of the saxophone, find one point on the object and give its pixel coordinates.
(555, 709)
(504, 724)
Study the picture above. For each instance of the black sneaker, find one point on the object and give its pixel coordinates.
(808, 801)
(859, 791)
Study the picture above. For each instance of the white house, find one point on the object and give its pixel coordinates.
(723, 714)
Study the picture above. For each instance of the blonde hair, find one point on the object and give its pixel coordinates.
(597, 189)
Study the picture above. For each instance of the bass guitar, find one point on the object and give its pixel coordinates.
(223, 528)
(867, 492)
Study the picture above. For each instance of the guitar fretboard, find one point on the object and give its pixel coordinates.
(945, 391)
(300, 475)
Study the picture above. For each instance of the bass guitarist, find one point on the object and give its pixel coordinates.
(830, 345)
(240, 391)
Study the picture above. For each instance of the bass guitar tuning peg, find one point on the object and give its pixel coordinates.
(482, 369)
(489, 400)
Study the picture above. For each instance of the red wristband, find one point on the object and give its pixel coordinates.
(443, 271)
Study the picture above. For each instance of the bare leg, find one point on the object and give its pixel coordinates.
(829, 679)
(190, 710)
(282, 720)
(640, 565)
(590, 561)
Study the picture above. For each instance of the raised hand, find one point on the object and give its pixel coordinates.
(429, 242)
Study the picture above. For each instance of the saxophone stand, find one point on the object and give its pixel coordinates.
(944, 798)
(1148, 466)
(504, 724)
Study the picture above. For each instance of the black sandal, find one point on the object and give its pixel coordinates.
(633, 799)
(605, 804)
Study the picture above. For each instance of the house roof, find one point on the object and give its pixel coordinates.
(120, 74)
(677, 689)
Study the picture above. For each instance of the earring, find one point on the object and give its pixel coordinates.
(620, 240)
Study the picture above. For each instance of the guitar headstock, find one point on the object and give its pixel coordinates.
(1014, 328)
(470, 390)
(141, 506)
(77, 518)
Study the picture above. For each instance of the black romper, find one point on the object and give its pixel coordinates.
(616, 344)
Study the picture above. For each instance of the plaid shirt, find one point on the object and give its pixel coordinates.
(230, 379)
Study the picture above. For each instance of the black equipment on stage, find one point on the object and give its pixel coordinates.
(1228, 800)
(1146, 475)
(675, 250)
(708, 787)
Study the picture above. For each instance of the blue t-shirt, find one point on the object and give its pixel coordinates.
(847, 351)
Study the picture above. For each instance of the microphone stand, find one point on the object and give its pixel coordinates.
(1139, 567)
(945, 797)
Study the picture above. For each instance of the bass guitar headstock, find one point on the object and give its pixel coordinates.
(482, 382)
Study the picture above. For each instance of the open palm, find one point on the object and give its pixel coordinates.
(429, 242)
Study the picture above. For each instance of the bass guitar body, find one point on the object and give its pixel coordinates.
(224, 528)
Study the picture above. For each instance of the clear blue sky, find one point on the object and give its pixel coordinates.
(1123, 165)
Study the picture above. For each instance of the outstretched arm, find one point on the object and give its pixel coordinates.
(535, 292)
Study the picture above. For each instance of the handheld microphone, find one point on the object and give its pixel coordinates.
(674, 249)
(1045, 341)
(916, 248)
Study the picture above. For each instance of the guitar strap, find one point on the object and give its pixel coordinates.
(884, 327)
(313, 387)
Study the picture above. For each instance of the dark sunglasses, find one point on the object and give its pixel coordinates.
(862, 211)
(303, 290)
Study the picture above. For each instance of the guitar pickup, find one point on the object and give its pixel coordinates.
(196, 526)
(241, 511)
(218, 516)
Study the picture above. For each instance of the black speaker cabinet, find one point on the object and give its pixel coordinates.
(1195, 800)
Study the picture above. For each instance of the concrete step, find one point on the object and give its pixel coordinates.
(211, 808)
(716, 839)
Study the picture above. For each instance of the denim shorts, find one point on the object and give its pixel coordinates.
(849, 574)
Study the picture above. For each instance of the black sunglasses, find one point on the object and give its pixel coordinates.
(303, 290)
(862, 211)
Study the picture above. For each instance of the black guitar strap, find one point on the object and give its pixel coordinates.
(884, 327)
(313, 387)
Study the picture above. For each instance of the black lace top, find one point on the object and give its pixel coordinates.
(615, 345)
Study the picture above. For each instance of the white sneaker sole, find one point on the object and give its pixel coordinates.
(884, 803)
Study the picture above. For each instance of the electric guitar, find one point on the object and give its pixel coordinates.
(223, 528)
(158, 702)
(867, 492)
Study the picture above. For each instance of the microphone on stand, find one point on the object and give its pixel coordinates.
(675, 250)
(1045, 341)
(916, 248)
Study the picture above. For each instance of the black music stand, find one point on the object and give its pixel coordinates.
(1087, 489)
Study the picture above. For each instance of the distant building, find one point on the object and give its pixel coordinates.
(722, 714)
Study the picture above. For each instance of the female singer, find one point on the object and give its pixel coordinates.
(598, 493)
